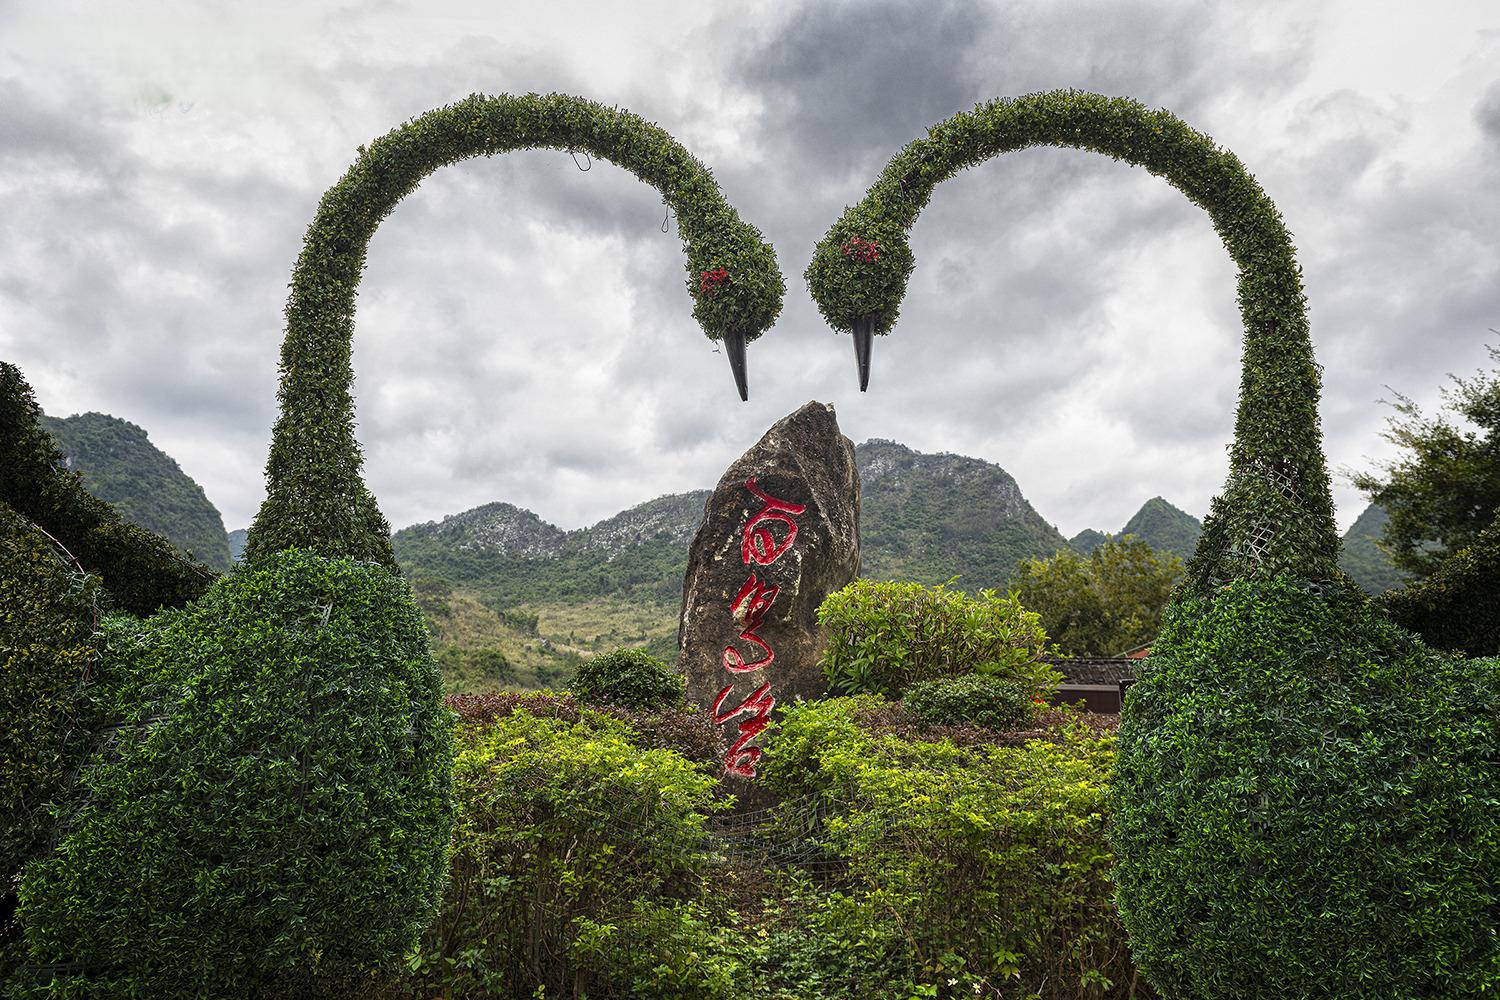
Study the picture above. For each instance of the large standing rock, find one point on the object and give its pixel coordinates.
(779, 534)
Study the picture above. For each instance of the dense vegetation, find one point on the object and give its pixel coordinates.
(1444, 489)
(140, 570)
(47, 650)
(1306, 801)
(883, 637)
(594, 856)
(1106, 604)
(122, 467)
(265, 807)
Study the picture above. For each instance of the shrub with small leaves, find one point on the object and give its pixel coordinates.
(629, 678)
(265, 808)
(974, 699)
(1457, 607)
(884, 636)
(1307, 798)
(140, 570)
(47, 652)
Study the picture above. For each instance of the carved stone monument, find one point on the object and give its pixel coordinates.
(779, 534)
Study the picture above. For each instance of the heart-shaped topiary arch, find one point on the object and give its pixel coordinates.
(316, 497)
(1276, 513)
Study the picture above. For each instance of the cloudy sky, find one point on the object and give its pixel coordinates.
(523, 330)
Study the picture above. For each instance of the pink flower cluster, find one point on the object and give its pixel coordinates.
(860, 249)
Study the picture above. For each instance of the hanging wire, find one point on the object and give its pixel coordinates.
(665, 214)
(580, 166)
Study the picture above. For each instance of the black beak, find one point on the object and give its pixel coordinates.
(864, 339)
(734, 346)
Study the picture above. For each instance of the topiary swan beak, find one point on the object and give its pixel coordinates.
(734, 346)
(864, 340)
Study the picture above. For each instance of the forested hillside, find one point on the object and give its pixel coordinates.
(122, 467)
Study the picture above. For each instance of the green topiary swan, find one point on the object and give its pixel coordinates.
(1307, 798)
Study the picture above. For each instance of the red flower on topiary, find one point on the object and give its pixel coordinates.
(711, 281)
(864, 250)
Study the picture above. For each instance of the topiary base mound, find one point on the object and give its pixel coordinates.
(265, 809)
(1307, 804)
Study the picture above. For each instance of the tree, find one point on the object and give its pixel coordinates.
(1445, 489)
(1102, 604)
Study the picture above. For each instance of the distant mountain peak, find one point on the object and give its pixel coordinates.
(499, 527)
(1160, 524)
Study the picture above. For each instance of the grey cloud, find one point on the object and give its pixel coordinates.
(1487, 113)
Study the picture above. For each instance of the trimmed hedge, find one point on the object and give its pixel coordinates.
(972, 699)
(1307, 799)
(265, 810)
(315, 496)
(884, 636)
(629, 678)
(1458, 607)
(46, 654)
(141, 570)
(1275, 516)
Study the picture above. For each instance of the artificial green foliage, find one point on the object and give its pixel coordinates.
(885, 636)
(47, 652)
(141, 572)
(265, 809)
(629, 678)
(1105, 604)
(1276, 514)
(1307, 799)
(577, 856)
(315, 496)
(1458, 607)
(121, 466)
(1444, 489)
(971, 699)
(965, 871)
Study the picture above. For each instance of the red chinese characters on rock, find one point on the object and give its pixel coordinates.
(759, 546)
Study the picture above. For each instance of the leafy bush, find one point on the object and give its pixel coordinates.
(885, 636)
(1305, 800)
(1104, 603)
(991, 702)
(46, 654)
(684, 731)
(265, 809)
(987, 864)
(141, 571)
(580, 861)
(1455, 608)
(630, 678)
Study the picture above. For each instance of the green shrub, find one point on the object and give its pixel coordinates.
(1306, 800)
(46, 654)
(630, 678)
(992, 702)
(265, 810)
(987, 864)
(579, 860)
(885, 636)
(141, 571)
(1456, 607)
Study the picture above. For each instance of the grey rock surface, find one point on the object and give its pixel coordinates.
(779, 533)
